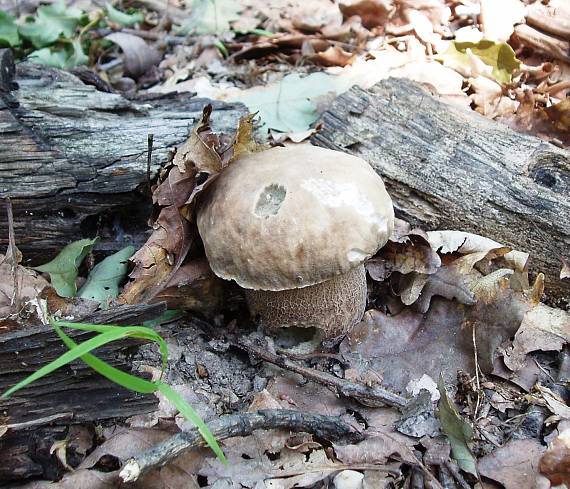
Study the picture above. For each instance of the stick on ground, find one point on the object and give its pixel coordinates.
(326, 427)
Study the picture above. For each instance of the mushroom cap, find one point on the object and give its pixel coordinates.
(291, 217)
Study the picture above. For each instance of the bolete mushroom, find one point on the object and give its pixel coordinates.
(293, 227)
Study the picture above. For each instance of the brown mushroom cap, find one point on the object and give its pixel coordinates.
(292, 217)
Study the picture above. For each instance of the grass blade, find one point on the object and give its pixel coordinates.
(188, 412)
(124, 379)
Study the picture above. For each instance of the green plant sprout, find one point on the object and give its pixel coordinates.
(107, 334)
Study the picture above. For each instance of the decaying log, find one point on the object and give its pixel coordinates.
(450, 168)
(73, 159)
(39, 414)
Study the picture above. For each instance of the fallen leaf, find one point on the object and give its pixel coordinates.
(211, 17)
(289, 105)
(139, 57)
(555, 404)
(372, 12)
(389, 345)
(103, 281)
(555, 462)
(543, 328)
(459, 431)
(333, 56)
(64, 268)
(485, 58)
(466, 243)
(376, 449)
(50, 22)
(514, 465)
(558, 114)
(123, 18)
(8, 31)
(30, 285)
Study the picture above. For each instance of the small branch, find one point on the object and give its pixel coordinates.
(552, 46)
(327, 427)
(369, 396)
(150, 139)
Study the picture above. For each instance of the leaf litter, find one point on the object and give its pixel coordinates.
(445, 302)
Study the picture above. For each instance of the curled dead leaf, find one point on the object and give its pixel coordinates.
(139, 57)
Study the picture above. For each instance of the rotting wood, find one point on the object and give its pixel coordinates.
(450, 168)
(73, 159)
(71, 394)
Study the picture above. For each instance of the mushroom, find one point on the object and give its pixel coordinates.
(293, 226)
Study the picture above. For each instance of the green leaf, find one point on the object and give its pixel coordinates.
(63, 269)
(49, 57)
(78, 56)
(211, 17)
(102, 285)
(290, 105)
(499, 56)
(188, 412)
(51, 22)
(457, 430)
(166, 317)
(123, 18)
(8, 31)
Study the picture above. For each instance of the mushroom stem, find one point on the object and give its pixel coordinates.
(334, 305)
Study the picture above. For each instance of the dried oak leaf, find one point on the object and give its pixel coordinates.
(372, 12)
(195, 165)
(555, 462)
(514, 465)
(542, 328)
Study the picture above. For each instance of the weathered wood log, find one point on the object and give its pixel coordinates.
(74, 159)
(450, 168)
(73, 394)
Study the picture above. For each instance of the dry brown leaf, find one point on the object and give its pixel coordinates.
(514, 465)
(404, 347)
(375, 450)
(450, 281)
(29, 286)
(196, 164)
(559, 115)
(333, 56)
(405, 254)
(193, 287)
(555, 404)
(138, 55)
(465, 243)
(543, 328)
(555, 462)
(372, 12)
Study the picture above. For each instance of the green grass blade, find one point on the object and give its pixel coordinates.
(124, 379)
(77, 352)
(188, 412)
(145, 333)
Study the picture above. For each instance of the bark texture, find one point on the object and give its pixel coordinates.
(450, 168)
(73, 159)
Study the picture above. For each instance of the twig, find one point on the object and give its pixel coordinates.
(150, 139)
(327, 427)
(369, 396)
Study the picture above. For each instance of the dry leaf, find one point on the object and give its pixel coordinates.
(543, 328)
(514, 465)
(138, 55)
(555, 462)
(404, 347)
(372, 12)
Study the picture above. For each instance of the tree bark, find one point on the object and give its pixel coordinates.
(450, 168)
(72, 394)
(73, 159)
